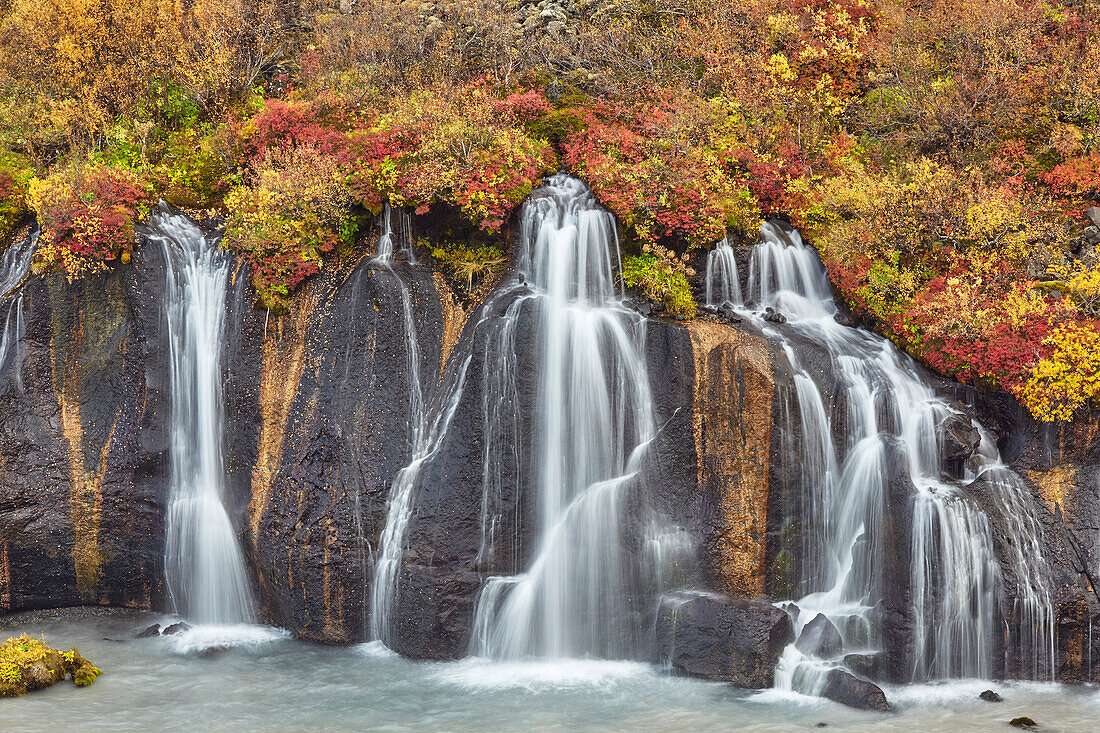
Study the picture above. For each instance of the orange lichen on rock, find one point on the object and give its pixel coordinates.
(733, 423)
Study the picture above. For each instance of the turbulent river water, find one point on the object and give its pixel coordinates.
(280, 684)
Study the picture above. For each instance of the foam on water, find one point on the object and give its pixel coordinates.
(479, 673)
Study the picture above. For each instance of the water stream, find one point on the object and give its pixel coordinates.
(885, 407)
(14, 267)
(205, 568)
(591, 422)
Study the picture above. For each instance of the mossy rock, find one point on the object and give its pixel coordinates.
(28, 664)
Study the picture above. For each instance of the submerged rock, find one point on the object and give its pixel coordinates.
(1023, 722)
(176, 628)
(721, 638)
(847, 689)
(820, 638)
(152, 630)
(991, 696)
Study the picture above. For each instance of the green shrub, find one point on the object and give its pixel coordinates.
(661, 278)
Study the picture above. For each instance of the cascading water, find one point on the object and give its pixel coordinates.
(592, 420)
(723, 283)
(954, 570)
(425, 435)
(203, 560)
(14, 267)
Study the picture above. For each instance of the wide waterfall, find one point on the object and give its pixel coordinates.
(885, 407)
(203, 560)
(14, 267)
(590, 423)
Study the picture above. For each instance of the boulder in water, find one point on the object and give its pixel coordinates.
(1023, 722)
(820, 638)
(961, 438)
(176, 628)
(847, 689)
(862, 665)
(991, 696)
(721, 638)
(151, 630)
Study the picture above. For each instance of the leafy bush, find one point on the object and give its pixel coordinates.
(662, 277)
(87, 215)
(297, 209)
(13, 198)
(468, 150)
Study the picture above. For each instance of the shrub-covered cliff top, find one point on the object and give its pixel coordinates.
(942, 156)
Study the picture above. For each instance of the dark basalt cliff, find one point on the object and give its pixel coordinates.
(318, 425)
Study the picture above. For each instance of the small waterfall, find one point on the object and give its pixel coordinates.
(425, 436)
(592, 421)
(954, 572)
(393, 241)
(723, 283)
(203, 560)
(14, 267)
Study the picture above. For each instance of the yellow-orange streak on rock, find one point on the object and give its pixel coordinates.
(732, 424)
(1055, 485)
(283, 359)
(5, 577)
(454, 318)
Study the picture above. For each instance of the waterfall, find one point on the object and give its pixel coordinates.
(425, 436)
(203, 560)
(590, 424)
(723, 283)
(887, 407)
(393, 241)
(14, 267)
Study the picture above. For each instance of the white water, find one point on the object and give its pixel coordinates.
(425, 435)
(723, 283)
(591, 422)
(203, 560)
(954, 573)
(14, 267)
(290, 686)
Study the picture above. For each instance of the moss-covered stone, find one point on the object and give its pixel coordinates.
(28, 664)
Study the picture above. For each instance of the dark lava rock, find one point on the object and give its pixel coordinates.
(773, 316)
(820, 638)
(991, 696)
(176, 628)
(862, 665)
(847, 689)
(153, 630)
(722, 638)
(1023, 722)
(961, 438)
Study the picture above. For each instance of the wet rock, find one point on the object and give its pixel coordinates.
(847, 689)
(721, 638)
(991, 696)
(773, 316)
(152, 630)
(862, 665)
(961, 438)
(212, 651)
(176, 628)
(820, 638)
(1023, 722)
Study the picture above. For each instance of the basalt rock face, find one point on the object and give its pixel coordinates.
(83, 469)
(324, 427)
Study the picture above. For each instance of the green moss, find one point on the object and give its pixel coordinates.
(27, 663)
(469, 266)
(660, 281)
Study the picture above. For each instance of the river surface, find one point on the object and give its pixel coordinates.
(269, 682)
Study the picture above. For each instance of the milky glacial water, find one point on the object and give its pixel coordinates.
(270, 682)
